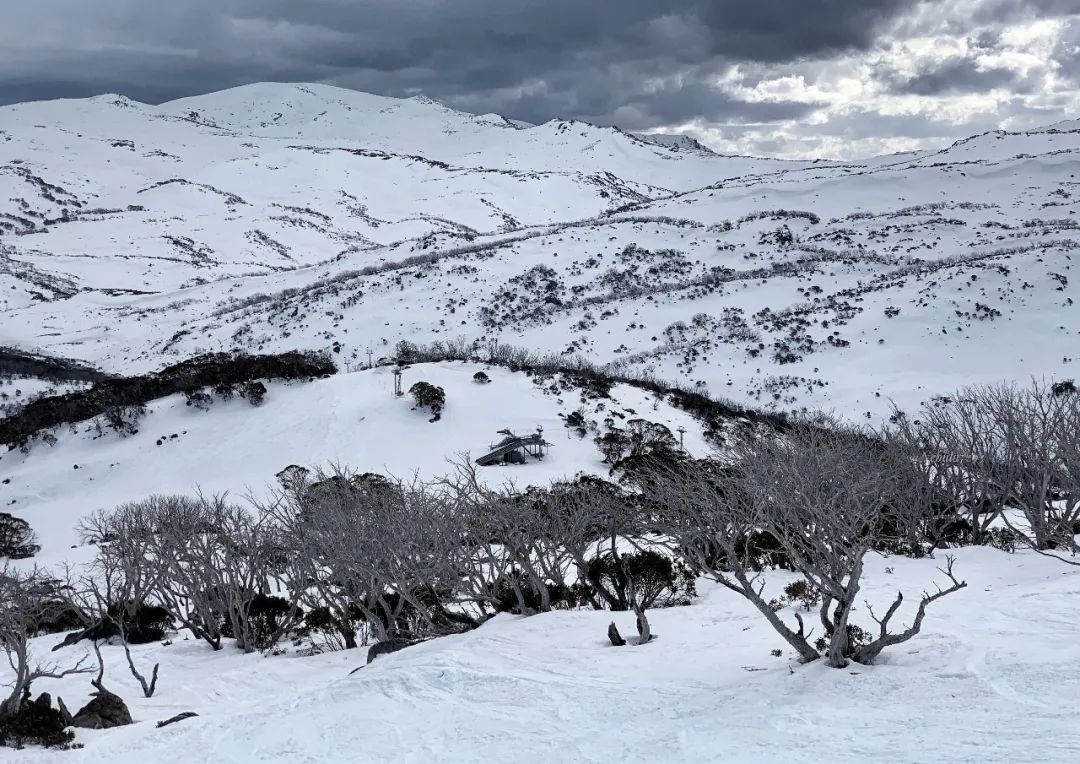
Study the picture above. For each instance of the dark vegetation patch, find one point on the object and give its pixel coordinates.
(18, 363)
(211, 370)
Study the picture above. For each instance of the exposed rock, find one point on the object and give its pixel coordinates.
(64, 713)
(105, 711)
(387, 646)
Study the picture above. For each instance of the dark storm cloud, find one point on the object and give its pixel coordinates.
(585, 59)
(641, 64)
(954, 76)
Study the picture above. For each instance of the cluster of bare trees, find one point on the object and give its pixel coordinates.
(1003, 456)
(357, 556)
(813, 500)
(204, 559)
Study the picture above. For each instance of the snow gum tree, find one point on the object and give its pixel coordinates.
(822, 497)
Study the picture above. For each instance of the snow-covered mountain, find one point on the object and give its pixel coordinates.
(275, 216)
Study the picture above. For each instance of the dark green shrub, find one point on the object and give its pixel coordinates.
(17, 539)
(264, 613)
(255, 392)
(560, 597)
(857, 637)
(1004, 539)
(199, 399)
(429, 396)
(647, 578)
(803, 594)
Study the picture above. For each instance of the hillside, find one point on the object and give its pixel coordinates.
(231, 446)
(272, 217)
(660, 315)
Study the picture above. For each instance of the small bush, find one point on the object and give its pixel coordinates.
(17, 539)
(857, 637)
(336, 632)
(1064, 387)
(1004, 539)
(255, 392)
(481, 378)
(199, 399)
(429, 396)
(263, 616)
(647, 578)
(763, 550)
(124, 419)
(142, 624)
(225, 391)
(575, 421)
(801, 593)
(561, 597)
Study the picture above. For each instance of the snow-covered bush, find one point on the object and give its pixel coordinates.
(429, 396)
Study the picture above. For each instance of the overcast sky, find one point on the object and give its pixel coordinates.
(809, 78)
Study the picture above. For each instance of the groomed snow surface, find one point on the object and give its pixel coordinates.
(991, 679)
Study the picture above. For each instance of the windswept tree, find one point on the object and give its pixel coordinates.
(369, 549)
(209, 562)
(822, 496)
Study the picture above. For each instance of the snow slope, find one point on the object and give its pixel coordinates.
(348, 419)
(983, 683)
